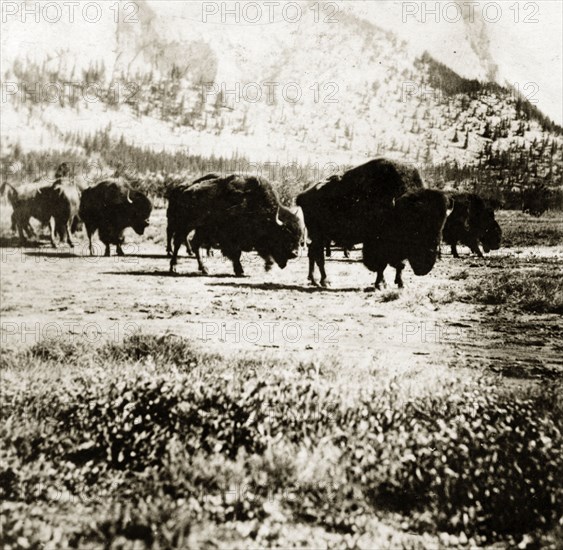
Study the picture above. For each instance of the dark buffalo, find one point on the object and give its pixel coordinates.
(54, 205)
(110, 207)
(471, 223)
(410, 231)
(30, 201)
(239, 213)
(173, 195)
(347, 209)
(536, 200)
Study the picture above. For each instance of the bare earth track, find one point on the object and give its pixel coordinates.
(64, 293)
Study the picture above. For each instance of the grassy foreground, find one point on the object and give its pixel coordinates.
(153, 443)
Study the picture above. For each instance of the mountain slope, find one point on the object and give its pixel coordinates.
(173, 84)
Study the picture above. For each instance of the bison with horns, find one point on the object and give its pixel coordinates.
(238, 213)
(111, 206)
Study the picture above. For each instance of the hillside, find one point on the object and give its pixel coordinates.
(162, 86)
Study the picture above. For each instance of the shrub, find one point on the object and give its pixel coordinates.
(533, 291)
(482, 463)
(148, 440)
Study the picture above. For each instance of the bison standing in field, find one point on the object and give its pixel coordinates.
(111, 206)
(54, 205)
(239, 213)
(472, 223)
(535, 200)
(411, 230)
(173, 195)
(350, 208)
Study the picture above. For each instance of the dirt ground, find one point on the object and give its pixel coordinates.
(66, 294)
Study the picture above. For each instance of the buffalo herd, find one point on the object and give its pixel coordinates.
(382, 205)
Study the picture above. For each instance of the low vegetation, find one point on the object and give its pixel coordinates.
(152, 442)
(524, 230)
(532, 291)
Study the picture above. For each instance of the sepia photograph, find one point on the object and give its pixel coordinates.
(281, 274)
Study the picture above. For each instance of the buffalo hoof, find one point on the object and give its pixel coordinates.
(313, 282)
(370, 289)
(204, 271)
(325, 283)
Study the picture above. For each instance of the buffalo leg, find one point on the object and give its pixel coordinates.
(107, 252)
(189, 247)
(19, 226)
(380, 279)
(119, 242)
(25, 225)
(174, 258)
(29, 230)
(321, 264)
(178, 241)
(52, 232)
(90, 232)
(475, 248)
(168, 240)
(237, 266)
(311, 254)
(67, 233)
(454, 251)
(328, 250)
(399, 274)
(316, 255)
(196, 249)
(311, 275)
(68, 239)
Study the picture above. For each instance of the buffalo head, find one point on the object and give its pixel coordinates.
(420, 221)
(492, 236)
(141, 208)
(286, 237)
(423, 258)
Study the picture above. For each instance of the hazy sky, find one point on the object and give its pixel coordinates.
(523, 39)
(519, 42)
